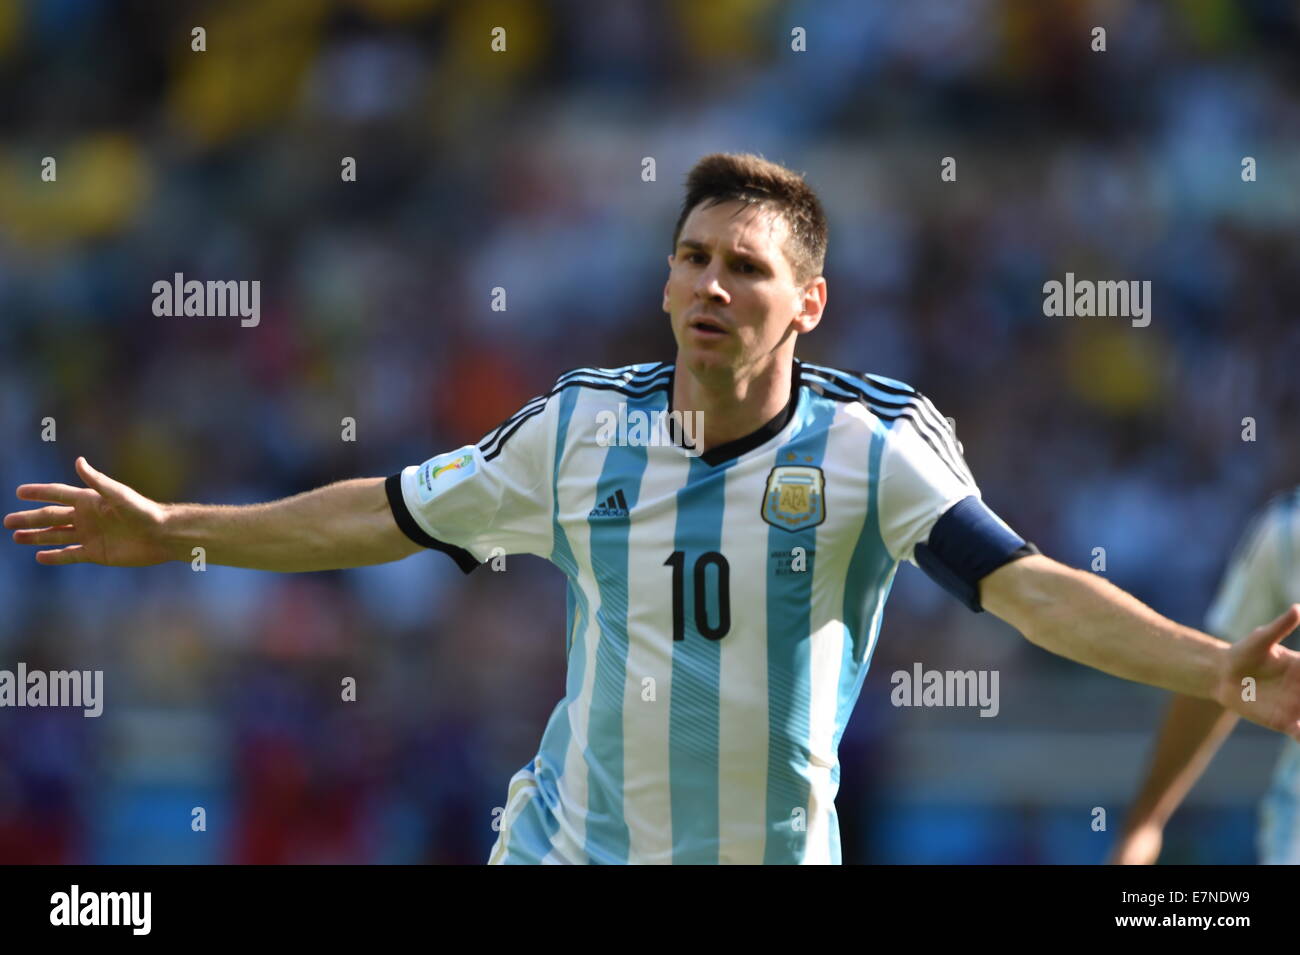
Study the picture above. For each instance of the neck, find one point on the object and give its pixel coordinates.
(734, 404)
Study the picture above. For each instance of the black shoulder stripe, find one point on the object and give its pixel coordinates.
(932, 426)
(500, 442)
(533, 404)
(875, 381)
(612, 375)
(945, 429)
(884, 410)
(910, 411)
(913, 412)
(493, 445)
(958, 473)
(540, 400)
(638, 390)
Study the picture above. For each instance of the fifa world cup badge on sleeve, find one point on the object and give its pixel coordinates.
(794, 497)
(445, 471)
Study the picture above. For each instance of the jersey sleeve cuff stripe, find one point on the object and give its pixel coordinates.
(406, 522)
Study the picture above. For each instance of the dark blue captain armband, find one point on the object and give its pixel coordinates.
(967, 544)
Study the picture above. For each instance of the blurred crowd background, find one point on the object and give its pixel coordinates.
(522, 169)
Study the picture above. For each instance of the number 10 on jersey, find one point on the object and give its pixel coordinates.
(700, 578)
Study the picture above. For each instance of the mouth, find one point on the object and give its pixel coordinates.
(708, 327)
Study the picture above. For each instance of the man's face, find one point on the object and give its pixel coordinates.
(731, 291)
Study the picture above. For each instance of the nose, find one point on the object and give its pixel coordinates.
(709, 284)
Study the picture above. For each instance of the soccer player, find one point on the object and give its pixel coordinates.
(1260, 577)
(725, 587)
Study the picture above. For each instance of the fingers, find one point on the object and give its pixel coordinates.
(100, 482)
(66, 493)
(76, 554)
(1272, 633)
(39, 517)
(50, 493)
(48, 536)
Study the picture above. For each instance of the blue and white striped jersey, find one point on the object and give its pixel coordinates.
(1260, 582)
(722, 608)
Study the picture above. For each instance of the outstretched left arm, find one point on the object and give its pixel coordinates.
(1087, 619)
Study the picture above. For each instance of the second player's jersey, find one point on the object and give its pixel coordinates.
(1262, 579)
(722, 608)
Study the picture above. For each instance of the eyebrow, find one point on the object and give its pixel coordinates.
(701, 247)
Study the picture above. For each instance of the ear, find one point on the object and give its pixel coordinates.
(810, 305)
(666, 281)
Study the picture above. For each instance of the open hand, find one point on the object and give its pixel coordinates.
(105, 522)
(1273, 700)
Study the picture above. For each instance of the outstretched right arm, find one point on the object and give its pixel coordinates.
(346, 524)
(471, 503)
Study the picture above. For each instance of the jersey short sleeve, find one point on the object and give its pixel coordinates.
(495, 494)
(922, 475)
(1249, 594)
(930, 509)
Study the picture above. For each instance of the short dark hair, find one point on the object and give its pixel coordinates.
(725, 177)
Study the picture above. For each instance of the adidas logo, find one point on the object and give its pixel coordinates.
(614, 506)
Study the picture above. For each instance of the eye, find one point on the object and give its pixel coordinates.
(696, 257)
(747, 268)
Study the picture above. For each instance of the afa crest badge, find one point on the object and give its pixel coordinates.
(795, 497)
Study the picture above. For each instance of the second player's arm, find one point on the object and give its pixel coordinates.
(1192, 732)
(1193, 729)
